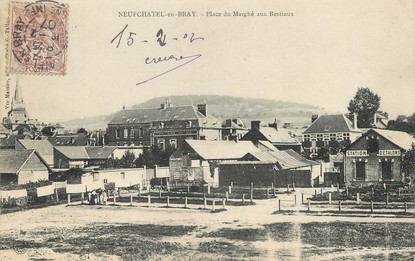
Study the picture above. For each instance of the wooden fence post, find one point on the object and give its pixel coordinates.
(371, 206)
(288, 187)
(185, 202)
(295, 199)
(309, 206)
(149, 200)
(293, 187)
(302, 197)
(69, 199)
(405, 206)
(213, 205)
(340, 206)
(279, 204)
(387, 198)
(329, 197)
(204, 203)
(131, 200)
(267, 193)
(208, 189)
(114, 198)
(227, 195)
(252, 192)
(82, 198)
(243, 199)
(315, 193)
(230, 190)
(160, 192)
(231, 184)
(168, 201)
(223, 203)
(57, 195)
(358, 198)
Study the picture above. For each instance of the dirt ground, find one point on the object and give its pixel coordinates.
(254, 232)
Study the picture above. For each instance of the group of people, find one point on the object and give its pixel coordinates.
(100, 196)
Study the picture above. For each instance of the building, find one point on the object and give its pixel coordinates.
(279, 138)
(166, 125)
(376, 157)
(22, 166)
(66, 157)
(196, 160)
(330, 131)
(43, 147)
(233, 129)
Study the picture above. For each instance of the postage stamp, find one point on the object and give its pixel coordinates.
(38, 38)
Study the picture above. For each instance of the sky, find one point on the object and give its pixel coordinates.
(318, 56)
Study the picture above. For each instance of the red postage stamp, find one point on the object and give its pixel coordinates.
(38, 38)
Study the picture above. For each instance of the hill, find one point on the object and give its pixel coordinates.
(222, 107)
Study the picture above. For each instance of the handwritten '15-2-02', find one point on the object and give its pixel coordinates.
(160, 37)
(161, 40)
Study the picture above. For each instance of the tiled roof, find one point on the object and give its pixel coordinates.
(11, 161)
(277, 136)
(186, 112)
(399, 138)
(86, 152)
(100, 152)
(71, 140)
(220, 149)
(267, 145)
(43, 147)
(287, 159)
(331, 123)
(299, 157)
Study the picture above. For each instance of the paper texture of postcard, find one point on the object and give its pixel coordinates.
(76, 59)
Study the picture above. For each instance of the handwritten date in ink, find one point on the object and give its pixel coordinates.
(160, 38)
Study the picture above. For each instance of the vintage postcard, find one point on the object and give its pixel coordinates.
(201, 130)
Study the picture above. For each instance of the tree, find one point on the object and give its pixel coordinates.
(127, 160)
(155, 156)
(82, 131)
(365, 103)
(403, 123)
(408, 163)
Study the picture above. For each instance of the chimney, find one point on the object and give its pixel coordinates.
(202, 108)
(228, 123)
(374, 120)
(314, 118)
(163, 106)
(274, 124)
(255, 124)
(123, 107)
(355, 120)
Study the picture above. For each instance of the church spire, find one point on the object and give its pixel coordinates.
(18, 98)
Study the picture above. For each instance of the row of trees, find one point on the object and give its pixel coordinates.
(150, 157)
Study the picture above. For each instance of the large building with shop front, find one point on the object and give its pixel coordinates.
(166, 125)
(376, 157)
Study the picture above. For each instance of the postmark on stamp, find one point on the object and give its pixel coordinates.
(38, 38)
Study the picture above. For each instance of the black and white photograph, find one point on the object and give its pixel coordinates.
(207, 130)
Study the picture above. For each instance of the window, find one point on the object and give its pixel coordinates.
(332, 136)
(346, 136)
(313, 137)
(123, 175)
(360, 170)
(339, 136)
(132, 133)
(386, 170)
(319, 136)
(125, 133)
(95, 176)
(140, 132)
(117, 133)
(326, 128)
(372, 144)
(326, 136)
(105, 181)
(160, 143)
(306, 137)
(173, 143)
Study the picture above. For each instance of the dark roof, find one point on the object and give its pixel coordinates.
(186, 112)
(43, 147)
(11, 161)
(331, 123)
(299, 157)
(4, 130)
(86, 152)
(69, 140)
